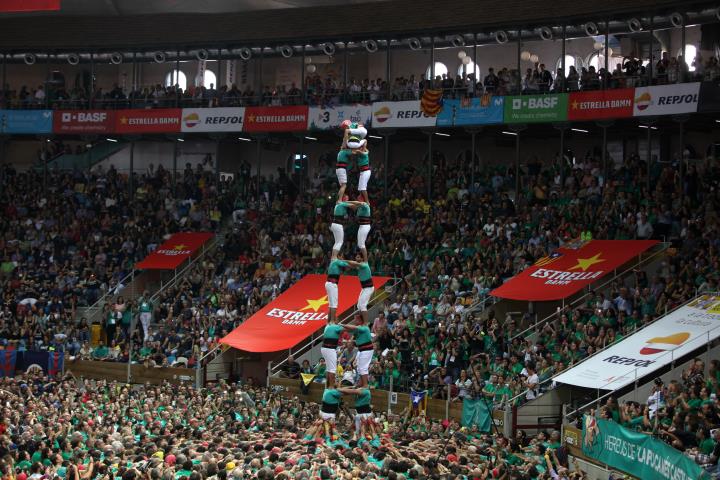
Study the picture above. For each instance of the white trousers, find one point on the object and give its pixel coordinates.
(363, 231)
(364, 298)
(332, 292)
(339, 235)
(363, 180)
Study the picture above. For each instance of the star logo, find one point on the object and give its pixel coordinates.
(251, 118)
(575, 105)
(123, 120)
(180, 247)
(315, 304)
(585, 263)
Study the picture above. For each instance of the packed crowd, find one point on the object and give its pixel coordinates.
(66, 246)
(75, 429)
(331, 90)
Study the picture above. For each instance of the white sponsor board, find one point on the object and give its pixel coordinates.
(400, 114)
(229, 119)
(328, 118)
(649, 349)
(666, 99)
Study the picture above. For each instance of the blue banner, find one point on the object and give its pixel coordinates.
(26, 121)
(471, 111)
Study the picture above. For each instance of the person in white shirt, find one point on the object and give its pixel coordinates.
(531, 383)
(644, 228)
(40, 94)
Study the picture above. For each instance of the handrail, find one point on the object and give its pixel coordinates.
(537, 325)
(636, 331)
(671, 352)
(313, 341)
(179, 275)
(103, 298)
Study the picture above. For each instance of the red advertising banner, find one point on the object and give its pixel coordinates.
(162, 120)
(568, 270)
(174, 251)
(28, 5)
(276, 119)
(600, 104)
(84, 121)
(295, 315)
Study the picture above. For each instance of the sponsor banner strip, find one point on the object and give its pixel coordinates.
(296, 314)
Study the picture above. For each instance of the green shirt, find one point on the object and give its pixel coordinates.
(363, 398)
(341, 209)
(364, 273)
(343, 158)
(331, 396)
(336, 267)
(145, 306)
(332, 331)
(363, 210)
(363, 159)
(362, 335)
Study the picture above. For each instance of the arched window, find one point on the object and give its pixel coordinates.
(689, 56)
(176, 77)
(440, 69)
(210, 78)
(596, 60)
(570, 61)
(469, 69)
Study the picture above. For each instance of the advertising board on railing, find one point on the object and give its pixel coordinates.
(26, 121)
(160, 120)
(276, 119)
(666, 99)
(485, 110)
(226, 119)
(330, 117)
(535, 108)
(600, 104)
(639, 355)
(408, 113)
(84, 121)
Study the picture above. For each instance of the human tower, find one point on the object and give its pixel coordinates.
(352, 151)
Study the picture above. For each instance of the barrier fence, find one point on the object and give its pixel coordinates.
(160, 116)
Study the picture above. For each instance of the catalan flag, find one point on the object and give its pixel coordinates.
(431, 102)
(548, 259)
(418, 402)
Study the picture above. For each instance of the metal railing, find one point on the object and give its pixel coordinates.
(180, 275)
(592, 289)
(671, 353)
(92, 310)
(552, 317)
(314, 339)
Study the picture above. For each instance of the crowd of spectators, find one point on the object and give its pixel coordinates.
(71, 239)
(76, 429)
(331, 89)
(64, 247)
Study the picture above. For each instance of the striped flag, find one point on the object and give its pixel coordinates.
(548, 259)
(418, 402)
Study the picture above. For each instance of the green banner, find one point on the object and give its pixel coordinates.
(476, 412)
(635, 453)
(536, 108)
